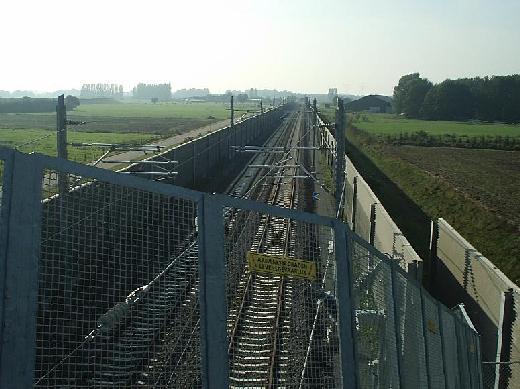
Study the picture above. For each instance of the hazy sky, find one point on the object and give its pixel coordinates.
(357, 46)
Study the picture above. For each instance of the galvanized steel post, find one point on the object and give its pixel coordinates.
(212, 293)
(340, 153)
(443, 348)
(61, 142)
(425, 339)
(372, 237)
(314, 131)
(397, 329)
(344, 283)
(18, 343)
(232, 119)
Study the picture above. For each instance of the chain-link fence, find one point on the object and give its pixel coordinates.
(282, 327)
(117, 299)
(406, 339)
(115, 281)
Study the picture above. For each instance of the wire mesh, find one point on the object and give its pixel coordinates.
(2, 166)
(408, 301)
(434, 345)
(283, 329)
(375, 320)
(404, 338)
(118, 302)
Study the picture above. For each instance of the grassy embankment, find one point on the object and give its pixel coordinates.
(475, 190)
(136, 123)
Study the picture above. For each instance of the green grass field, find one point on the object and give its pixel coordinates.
(136, 122)
(476, 191)
(394, 125)
(44, 141)
(164, 119)
(159, 110)
(130, 122)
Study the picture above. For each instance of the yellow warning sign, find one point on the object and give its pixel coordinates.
(281, 265)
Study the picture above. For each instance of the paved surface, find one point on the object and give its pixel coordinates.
(167, 143)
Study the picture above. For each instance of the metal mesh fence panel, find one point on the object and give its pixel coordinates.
(410, 331)
(434, 343)
(117, 302)
(282, 323)
(2, 166)
(449, 339)
(375, 320)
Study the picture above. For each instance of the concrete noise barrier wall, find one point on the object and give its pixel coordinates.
(492, 301)
(199, 159)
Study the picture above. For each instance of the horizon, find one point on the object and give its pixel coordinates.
(294, 46)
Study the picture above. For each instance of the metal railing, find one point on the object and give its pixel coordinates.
(124, 282)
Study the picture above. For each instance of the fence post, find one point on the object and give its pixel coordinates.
(212, 294)
(314, 131)
(461, 351)
(17, 348)
(340, 153)
(232, 117)
(194, 162)
(433, 265)
(5, 199)
(443, 348)
(344, 283)
(354, 203)
(372, 237)
(397, 327)
(61, 142)
(425, 338)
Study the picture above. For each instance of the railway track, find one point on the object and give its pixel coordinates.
(260, 322)
(152, 340)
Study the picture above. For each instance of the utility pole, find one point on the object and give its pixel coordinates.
(232, 112)
(340, 153)
(61, 142)
(314, 131)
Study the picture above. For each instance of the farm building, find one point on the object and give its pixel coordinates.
(371, 103)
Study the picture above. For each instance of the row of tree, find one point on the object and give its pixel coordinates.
(425, 139)
(34, 105)
(494, 98)
(89, 91)
(150, 91)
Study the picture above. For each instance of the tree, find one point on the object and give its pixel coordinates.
(449, 100)
(409, 94)
(71, 102)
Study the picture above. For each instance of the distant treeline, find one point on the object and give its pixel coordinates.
(89, 91)
(35, 105)
(494, 98)
(150, 91)
(422, 138)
